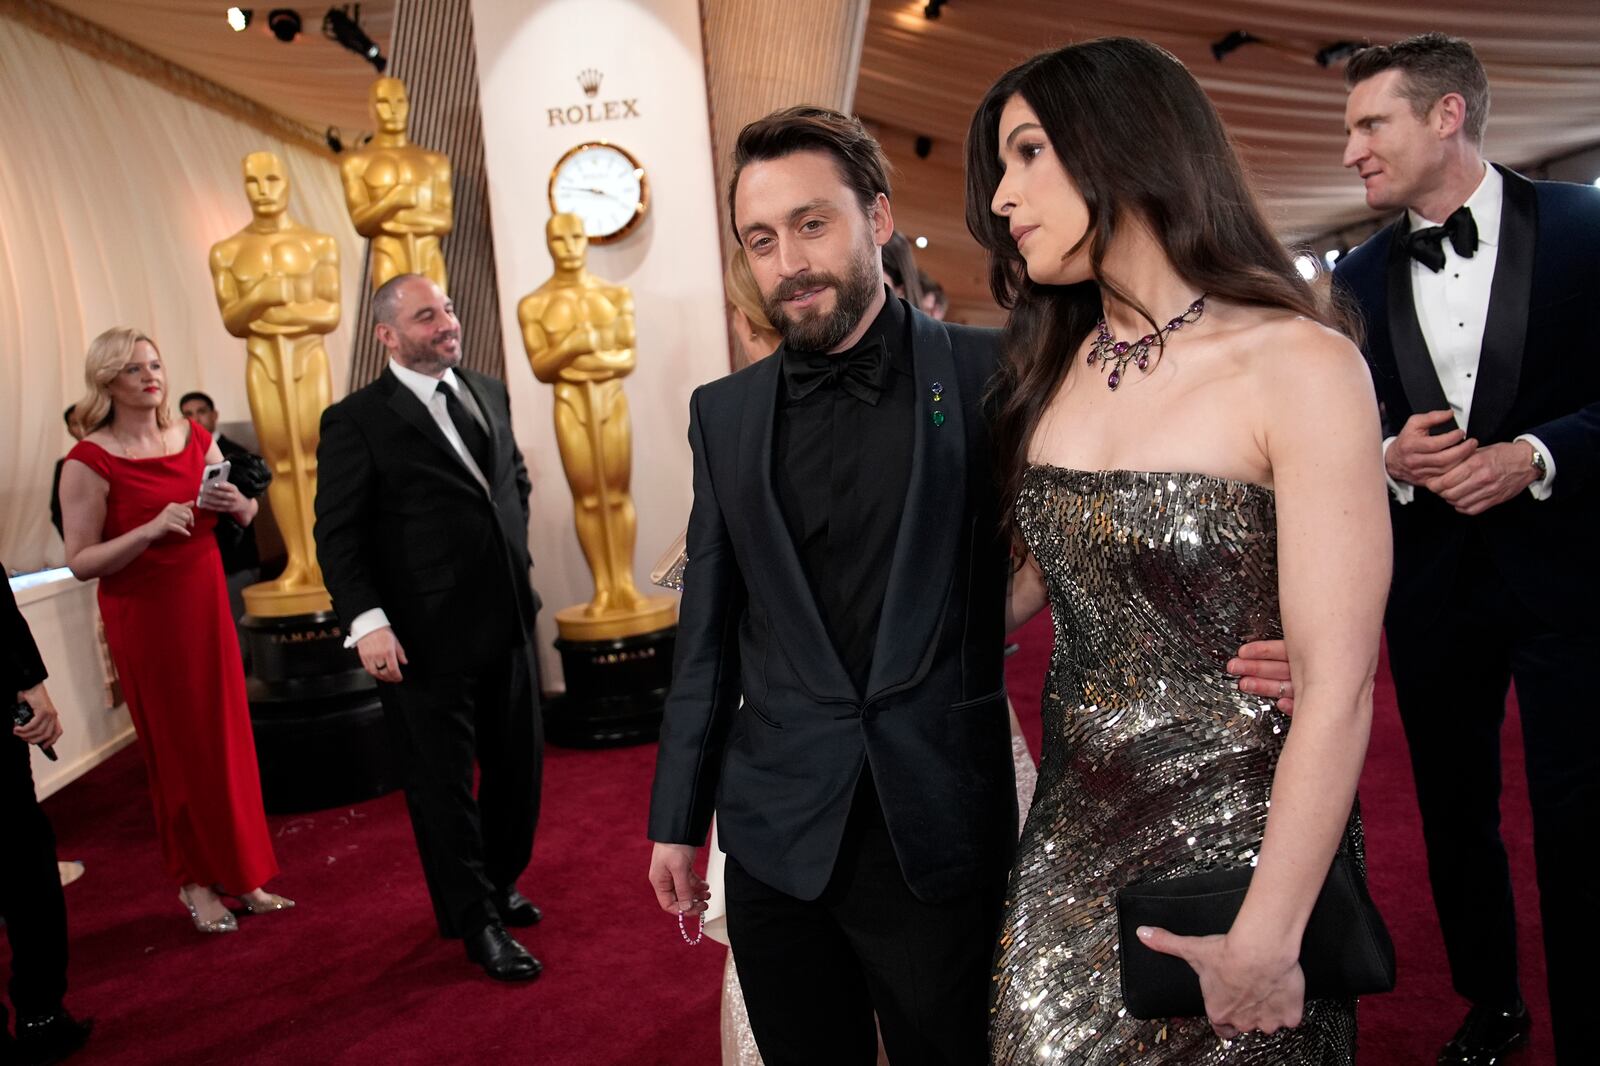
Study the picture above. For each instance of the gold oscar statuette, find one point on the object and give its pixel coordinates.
(398, 193)
(579, 334)
(277, 285)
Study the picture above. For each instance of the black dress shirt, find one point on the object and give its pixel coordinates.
(841, 467)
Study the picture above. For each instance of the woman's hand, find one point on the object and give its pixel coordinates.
(224, 496)
(1246, 988)
(174, 518)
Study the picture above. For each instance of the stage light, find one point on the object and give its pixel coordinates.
(238, 18)
(1231, 42)
(1306, 264)
(1332, 53)
(1332, 256)
(1597, 183)
(931, 9)
(923, 146)
(921, 242)
(284, 22)
(335, 142)
(338, 25)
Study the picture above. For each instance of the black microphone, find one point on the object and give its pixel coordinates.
(22, 716)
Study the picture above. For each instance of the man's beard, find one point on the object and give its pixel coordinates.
(816, 331)
(426, 358)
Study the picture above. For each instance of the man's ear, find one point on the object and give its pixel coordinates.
(1450, 114)
(385, 334)
(882, 218)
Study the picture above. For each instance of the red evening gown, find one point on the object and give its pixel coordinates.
(167, 620)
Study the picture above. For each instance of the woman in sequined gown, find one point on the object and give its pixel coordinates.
(1103, 187)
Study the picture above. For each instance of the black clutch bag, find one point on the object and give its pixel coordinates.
(1346, 950)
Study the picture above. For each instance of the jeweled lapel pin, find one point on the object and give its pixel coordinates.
(937, 389)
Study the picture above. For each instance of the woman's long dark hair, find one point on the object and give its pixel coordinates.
(1140, 139)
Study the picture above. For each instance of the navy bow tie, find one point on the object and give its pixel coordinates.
(1426, 245)
(862, 371)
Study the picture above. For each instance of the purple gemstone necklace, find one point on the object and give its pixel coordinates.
(1107, 350)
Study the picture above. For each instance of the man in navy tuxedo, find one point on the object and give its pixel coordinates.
(1479, 304)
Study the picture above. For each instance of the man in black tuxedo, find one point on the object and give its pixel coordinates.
(241, 558)
(31, 902)
(847, 578)
(1479, 305)
(422, 533)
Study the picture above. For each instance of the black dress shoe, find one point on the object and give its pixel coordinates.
(515, 909)
(500, 956)
(1487, 1036)
(47, 1038)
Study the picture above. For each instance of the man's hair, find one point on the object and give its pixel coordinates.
(387, 296)
(858, 155)
(1432, 65)
(186, 397)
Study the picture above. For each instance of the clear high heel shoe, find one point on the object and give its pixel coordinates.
(226, 924)
(273, 902)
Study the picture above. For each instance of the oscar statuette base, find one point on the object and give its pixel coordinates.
(321, 740)
(615, 690)
(266, 600)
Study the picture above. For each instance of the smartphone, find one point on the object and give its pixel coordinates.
(214, 472)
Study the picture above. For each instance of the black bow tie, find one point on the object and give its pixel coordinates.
(861, 371)
(1426, 246)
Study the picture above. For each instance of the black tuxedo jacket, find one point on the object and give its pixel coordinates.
(1539, 373)
(780, 769)
(403, 525)
(20, 665)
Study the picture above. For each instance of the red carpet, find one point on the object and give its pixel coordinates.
(356, 974)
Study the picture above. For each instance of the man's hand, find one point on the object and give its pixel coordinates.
(1416, 456)
(1489, 477)
(678, 888)
(381, 654)
(1262, 668)
(45, 729)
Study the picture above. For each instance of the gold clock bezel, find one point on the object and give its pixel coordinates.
(640, 209)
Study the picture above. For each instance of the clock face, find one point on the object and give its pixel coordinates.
(603, 185)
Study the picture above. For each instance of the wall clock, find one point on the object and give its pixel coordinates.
(603, 184)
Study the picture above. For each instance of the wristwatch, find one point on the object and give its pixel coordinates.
(1541, 469)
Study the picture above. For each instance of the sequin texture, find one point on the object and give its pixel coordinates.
(1154, 764)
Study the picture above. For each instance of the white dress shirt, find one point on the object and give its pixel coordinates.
(426, 389)
(1452, 309)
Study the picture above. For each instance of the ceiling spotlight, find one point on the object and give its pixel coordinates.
(921, 242)
(1332, 256)
(923, 146)
(284, 22)
(238, 18)
(1231, 42)
(1306, 264)
(1333, 53)
(931, 9)
(335, 142)
(340, 25)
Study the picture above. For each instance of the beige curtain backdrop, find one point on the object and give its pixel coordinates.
(112, 192)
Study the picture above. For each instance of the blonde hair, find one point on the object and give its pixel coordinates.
(108, 354)
(744, 294)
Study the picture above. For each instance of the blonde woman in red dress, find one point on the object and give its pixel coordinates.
(136, 518)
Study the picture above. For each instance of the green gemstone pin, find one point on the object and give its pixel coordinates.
(938, 395)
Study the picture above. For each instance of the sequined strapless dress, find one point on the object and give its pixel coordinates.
(1154, 764)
